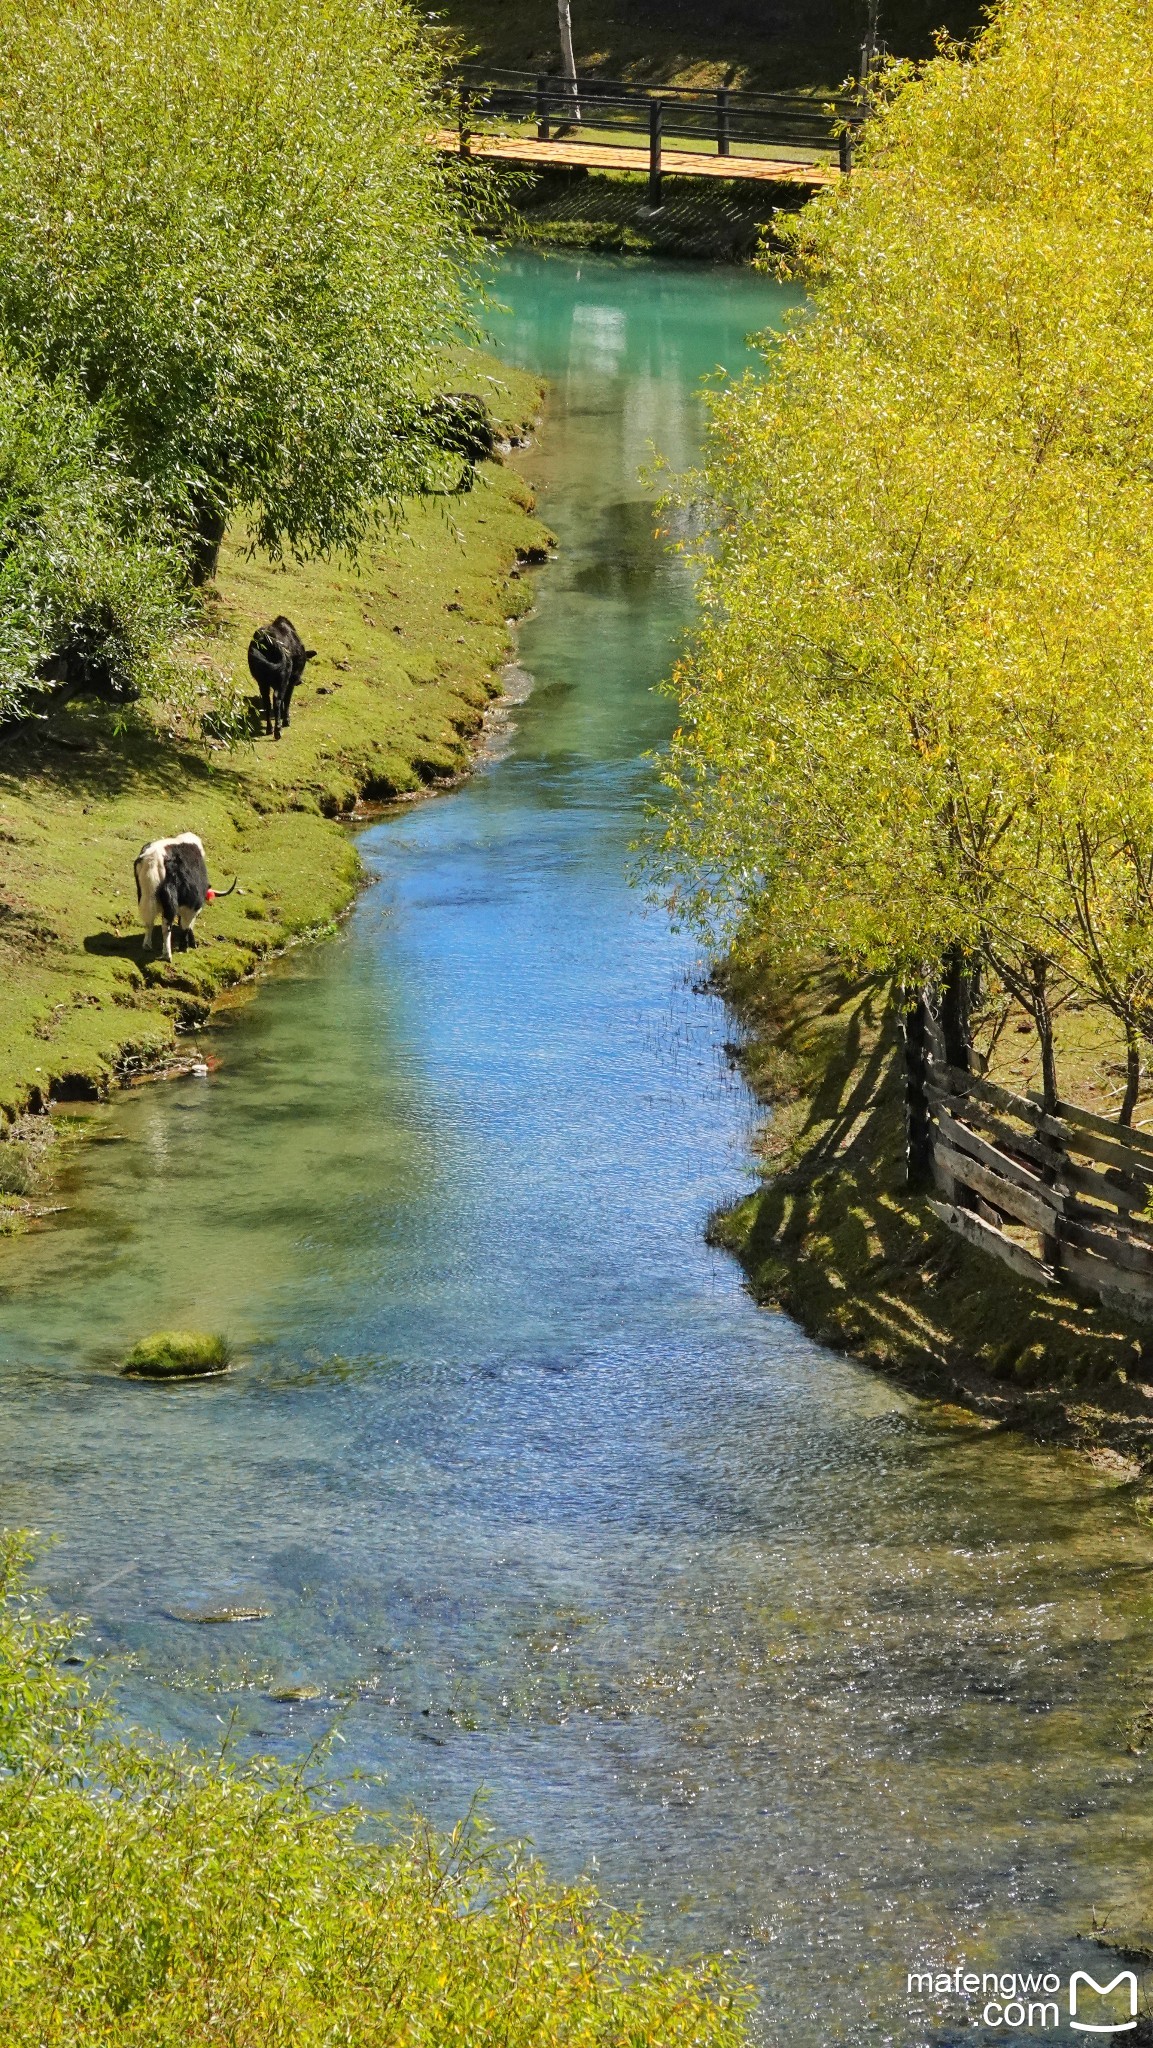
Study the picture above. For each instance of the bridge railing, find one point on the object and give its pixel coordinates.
(721, 120)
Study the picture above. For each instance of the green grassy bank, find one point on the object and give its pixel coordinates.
(834, 1236)
(410, 644)
(765, 45)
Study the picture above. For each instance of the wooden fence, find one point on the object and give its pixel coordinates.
(1063, 1199)
(706, 120)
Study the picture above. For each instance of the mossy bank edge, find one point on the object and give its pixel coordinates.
(410, 647)
(834, 1236)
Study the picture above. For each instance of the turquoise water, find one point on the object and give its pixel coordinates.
(532, 1493)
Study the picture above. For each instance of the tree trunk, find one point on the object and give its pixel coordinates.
(208, 533)
(1043, 1020)
(568, 61)
(956, 989)
(918, 1120)
(1132, 1075)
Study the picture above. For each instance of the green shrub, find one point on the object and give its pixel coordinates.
(178, 1354)
(88, 589)
(152, 1899)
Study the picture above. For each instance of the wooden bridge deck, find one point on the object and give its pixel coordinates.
(675, 163)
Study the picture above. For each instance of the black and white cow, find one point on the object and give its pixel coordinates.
(276, 658)
(172, 888)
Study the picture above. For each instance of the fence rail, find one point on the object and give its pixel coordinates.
(607, 108)
(1065, 1198)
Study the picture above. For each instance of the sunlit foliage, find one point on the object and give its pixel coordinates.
(223, 221)
(89, 586)
(152, 1900)
(917, 718)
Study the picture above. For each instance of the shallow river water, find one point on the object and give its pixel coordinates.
(534, 1495)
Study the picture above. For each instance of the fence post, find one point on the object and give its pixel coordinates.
(845, 142)
(542, 127)
(918, 1116)
(462, 118)
(656, 109)
(1050, 1175)
(723, 122)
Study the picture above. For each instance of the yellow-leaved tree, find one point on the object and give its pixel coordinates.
(915, 728)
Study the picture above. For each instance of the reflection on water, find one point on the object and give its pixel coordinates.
(535, 1496)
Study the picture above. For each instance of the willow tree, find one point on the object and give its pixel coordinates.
(928, 549)
(90, 586)
(222, 221)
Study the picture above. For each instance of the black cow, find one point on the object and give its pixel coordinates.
(276, 657)
(172, 888)
(461, 424)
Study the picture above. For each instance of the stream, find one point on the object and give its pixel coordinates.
(535, 1498)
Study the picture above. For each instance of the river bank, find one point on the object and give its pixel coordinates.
(607, 212)
(410, 646)
(834, 1236)
(798, 44)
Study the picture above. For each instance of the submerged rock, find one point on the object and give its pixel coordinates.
(244, 1610)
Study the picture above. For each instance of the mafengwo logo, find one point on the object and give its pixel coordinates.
(1039, 2001)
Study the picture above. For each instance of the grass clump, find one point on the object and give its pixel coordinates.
(178, 1354)
(155, 1897)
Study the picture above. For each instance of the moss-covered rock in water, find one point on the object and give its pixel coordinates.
(178, 1354)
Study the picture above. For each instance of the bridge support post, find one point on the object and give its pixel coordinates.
(462, 119)
(845, 147)
(723, 122)
(542, 126)
(656, 110)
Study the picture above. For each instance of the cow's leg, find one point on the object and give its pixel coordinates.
(167, 930)
(147, 907)
(187, 920)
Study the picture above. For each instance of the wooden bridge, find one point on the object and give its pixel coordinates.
(773, 138)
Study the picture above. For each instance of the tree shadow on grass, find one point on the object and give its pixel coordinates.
(85, 751)
(836, 1237)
